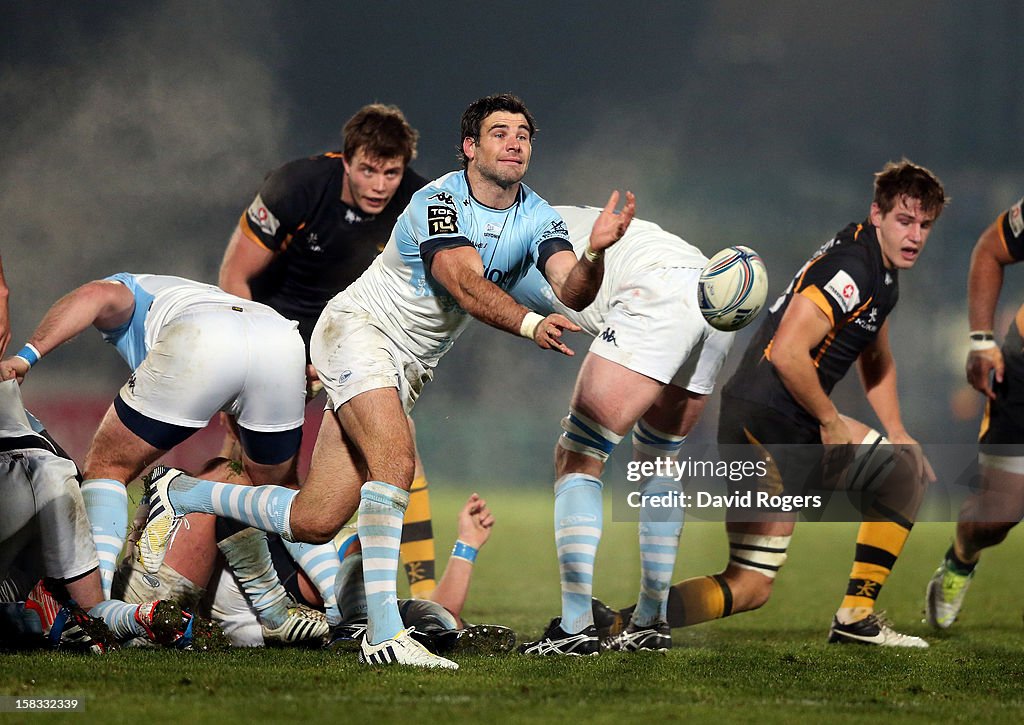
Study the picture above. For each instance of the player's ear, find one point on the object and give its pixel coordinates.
(469, 147)
(876, 214)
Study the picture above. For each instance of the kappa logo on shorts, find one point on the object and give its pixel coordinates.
(442, 220)
(151, 580)
(608, 335)
(131, 383)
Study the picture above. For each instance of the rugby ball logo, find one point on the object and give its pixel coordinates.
(732, 288)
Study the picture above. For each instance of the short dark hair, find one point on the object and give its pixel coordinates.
(381, 131)
(906, 179)
(478, 110)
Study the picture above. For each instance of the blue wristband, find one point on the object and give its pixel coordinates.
(462, 550)
(29, 354)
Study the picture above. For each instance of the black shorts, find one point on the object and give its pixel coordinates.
(1002, 429)
(799, 463)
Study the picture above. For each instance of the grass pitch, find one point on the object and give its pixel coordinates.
(767, 666)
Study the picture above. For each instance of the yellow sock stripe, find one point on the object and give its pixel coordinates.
(702, 599)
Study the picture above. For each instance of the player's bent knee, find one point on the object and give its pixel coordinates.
(749, 589)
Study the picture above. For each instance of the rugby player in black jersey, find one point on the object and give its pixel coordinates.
(997, 505)
(313, 228)
(777, 407)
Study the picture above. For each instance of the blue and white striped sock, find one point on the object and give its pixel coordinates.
(119, 618)
(381, 510)
(577, 533)
(106, 503)
(265, 507)
(660, 528)
(249, 557)
(321, 564)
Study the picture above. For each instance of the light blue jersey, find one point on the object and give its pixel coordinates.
(409, 305)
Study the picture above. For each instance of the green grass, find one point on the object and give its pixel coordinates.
(767, 666)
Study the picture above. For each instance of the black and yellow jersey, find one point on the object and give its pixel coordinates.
(1011, 230)
(321, 244)
(847, 279)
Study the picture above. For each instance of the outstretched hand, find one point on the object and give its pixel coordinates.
(548, 334)
(611, 225)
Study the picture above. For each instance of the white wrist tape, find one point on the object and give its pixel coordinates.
(982, 340)
(529, 325)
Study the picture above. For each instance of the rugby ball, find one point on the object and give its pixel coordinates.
(732, 288)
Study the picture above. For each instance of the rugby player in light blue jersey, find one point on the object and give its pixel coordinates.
(462, 242)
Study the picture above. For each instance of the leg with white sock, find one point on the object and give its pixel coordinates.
(608, 398)
(116, 457)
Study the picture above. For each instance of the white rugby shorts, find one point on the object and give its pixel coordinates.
(352, 355)
(44, 529)
(247, 361)
(655, 328)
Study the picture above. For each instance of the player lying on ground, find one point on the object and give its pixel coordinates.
(44, 533)
(988, 513)
(650, 368)
(193, 350)
(188, 572)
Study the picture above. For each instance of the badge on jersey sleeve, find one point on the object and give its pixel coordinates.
(1016, 220)
(844, 291)
(442, 219)
(262, 217)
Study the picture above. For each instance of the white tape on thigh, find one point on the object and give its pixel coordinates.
(763, 554)
(1010, 464)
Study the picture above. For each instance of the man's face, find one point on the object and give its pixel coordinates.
(503, 152)
(902, 232)
(370, 182)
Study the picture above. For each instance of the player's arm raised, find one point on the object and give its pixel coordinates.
(984, 282)
(243, 260)
(104, 303)
(802, 328)
(461, 271)
(576, 282)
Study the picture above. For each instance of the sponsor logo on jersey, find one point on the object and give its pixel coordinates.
(844, 291)
(492, 230)
(888, 279)
(442, 220)
(1016, 219)
(261, 216)
(313, 242)
(869, 323)
(351, 217)
(557, 229)
(444, 197)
